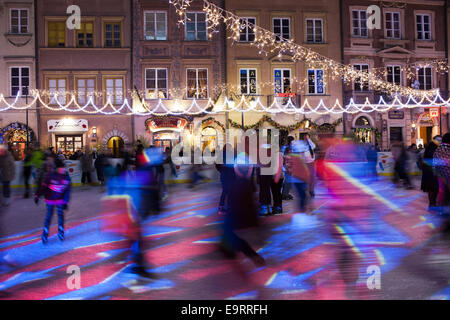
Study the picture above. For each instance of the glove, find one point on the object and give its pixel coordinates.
(36, 199)
(65, 206)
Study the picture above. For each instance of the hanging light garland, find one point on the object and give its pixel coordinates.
(267, 42)
(68, 102)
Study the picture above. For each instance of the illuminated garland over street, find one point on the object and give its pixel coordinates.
(267, 42)
(198, 107)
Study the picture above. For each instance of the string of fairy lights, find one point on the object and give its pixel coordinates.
(177, 101)
(60, 102)
(267, 42)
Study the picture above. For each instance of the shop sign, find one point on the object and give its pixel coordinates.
(166, 123)
(434, 112)
(67, 125)
(396, 114)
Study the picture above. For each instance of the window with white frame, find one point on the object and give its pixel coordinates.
(248, 81)
(314, 30)
(359, 23)
(20, 81)
(197, 83)
(196, 26)
(85, 90)
(57, 90)
(359, 83)
(247, 34)
(393, 29)
(156, 83)
(423, 25)
(155, 25)
(114, 90)
(282, 28)
(18, 21)
(316, 82)
(394, 74)
(425, 76)
(282, 81)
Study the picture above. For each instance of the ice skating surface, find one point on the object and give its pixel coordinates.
(387, 228)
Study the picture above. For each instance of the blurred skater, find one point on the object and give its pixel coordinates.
(56, 191)
(430, 183)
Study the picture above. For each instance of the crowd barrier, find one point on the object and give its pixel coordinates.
(385, 167)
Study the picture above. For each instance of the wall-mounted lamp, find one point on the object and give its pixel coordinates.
(94, 132)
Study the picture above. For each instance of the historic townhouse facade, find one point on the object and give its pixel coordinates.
(18, 75)
(94, 61)
(313, 24)
(411, 33)
(174, 65)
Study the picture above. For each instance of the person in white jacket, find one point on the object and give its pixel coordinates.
(309, 158)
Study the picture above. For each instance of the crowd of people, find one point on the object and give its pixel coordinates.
(248, 190)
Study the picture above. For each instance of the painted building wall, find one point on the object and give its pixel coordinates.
(97, 61)
(17, 49)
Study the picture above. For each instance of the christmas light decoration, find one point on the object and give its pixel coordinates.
(268, 42)
(208, 106)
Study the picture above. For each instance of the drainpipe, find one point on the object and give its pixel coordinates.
(344, 115)
(225, 73)
(131, 64)
(36, 69)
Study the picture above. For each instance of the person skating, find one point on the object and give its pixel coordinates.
(286, 184)
(7, 172)
(56, 191)
(27, 169)
(430, 183)
(86, 167)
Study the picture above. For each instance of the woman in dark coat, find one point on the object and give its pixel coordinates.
(430, 182)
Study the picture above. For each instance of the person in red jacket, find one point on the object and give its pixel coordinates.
(56, 191)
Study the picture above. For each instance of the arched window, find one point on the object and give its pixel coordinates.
(209, 138)
(115, 144)
(362, 122)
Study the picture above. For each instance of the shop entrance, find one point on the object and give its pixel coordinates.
(166, 139)
(425, 135)
(115, 145)
(69, 144)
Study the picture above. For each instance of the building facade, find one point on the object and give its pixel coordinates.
(411, 34)
(276, 77)
(174, 65)
(90, 62)
(18, 75)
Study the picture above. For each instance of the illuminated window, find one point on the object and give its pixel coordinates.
(85, 90)
(114, 90)
(248, 81)
(57, 89)
(359, 84)
(56, 34)
(197, 83)
(316, 84)
(209, 139)
(282, 80)
(394, 74)
(156, 83)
